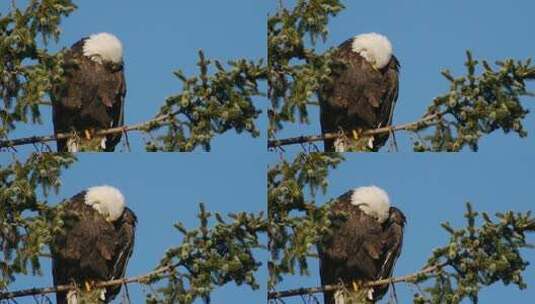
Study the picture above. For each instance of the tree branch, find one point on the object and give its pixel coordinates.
(405, 278)
(61, 288)
(427, 120)
(41, 139)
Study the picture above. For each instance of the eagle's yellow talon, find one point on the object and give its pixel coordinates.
(355, 286)
(356, 134)
(87, 134)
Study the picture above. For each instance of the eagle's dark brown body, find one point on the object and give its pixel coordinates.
(90, 98)
(358, 96)
(360, 248)
(91, 249)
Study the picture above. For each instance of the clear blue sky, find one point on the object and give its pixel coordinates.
(162, 189)
(429, 36)
(161, 38)
(431, 189)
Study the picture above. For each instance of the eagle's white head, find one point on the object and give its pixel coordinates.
(103, 47)
(373, 201)
(107, 200)
(375, 48)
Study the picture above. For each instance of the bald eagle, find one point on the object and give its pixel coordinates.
(363, 246)
(92, 95)
(96, 244)
(360, 95)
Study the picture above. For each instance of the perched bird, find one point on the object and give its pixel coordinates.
(361, 94)
(362, 247)
(95, 245)
(92, 95)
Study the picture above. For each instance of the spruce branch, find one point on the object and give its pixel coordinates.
(219, 251)
(21, 233)
(143, 126)
(208, 257)
(486, 99)
(27, 71)
(481, 253)
(409, 278)
(215, 101)
(291, 236)
(144, 278)
(411, 127)
(219, 99)
(295, 70)
(215, 255)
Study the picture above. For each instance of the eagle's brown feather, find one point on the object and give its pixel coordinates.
(90, 248)
(91, 97)
(359, 247)
(358, 96)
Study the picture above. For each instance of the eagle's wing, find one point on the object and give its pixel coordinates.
(393, 234)
(391, 79)
(119, 121)
(117, 109)
(126, 230)
(386, 113)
